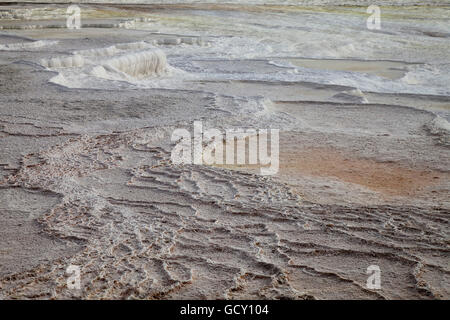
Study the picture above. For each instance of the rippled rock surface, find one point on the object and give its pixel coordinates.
(87, 178)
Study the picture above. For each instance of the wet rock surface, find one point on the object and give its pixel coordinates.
(87, 180)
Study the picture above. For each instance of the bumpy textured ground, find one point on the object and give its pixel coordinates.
(87, 178)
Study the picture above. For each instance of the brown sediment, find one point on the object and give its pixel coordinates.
(390, 178)
(385, 177)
